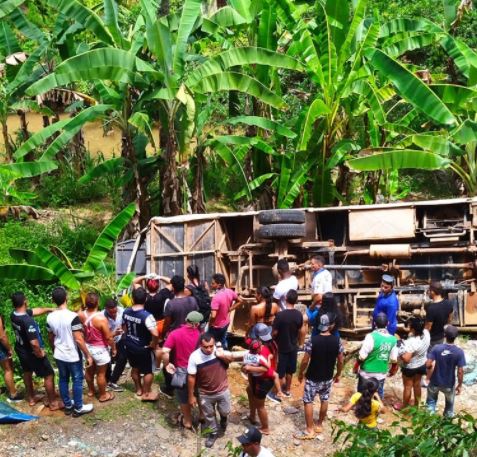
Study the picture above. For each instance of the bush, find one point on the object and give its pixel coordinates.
(75, 239)
(416, 434)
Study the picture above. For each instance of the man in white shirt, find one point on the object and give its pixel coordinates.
(287, 282)
(65, 333)
(322, 281)
(250, 441)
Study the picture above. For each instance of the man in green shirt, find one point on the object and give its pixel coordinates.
(379, 349)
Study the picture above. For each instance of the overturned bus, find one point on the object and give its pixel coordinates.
(417, 242)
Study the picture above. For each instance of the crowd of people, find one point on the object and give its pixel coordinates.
(182, 328)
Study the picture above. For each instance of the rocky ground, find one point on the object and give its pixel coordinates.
(127, 427)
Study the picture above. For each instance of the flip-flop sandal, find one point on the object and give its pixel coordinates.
(111, 396)
(247, 418)
(398, 406)
(318, 429)
(149, 399)
(181, 423)
(303, 436)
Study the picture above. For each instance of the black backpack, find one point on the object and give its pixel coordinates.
(203, 300)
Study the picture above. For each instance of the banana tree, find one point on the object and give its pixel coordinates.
(51, 264)
(145, 75)
(353, 62)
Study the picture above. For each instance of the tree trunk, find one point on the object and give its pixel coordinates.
(198, 201)
(171, 189)
(6, 142)
(137, 189)
(23, 124)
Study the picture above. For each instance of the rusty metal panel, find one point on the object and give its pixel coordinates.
(382, 224)
(470, 310)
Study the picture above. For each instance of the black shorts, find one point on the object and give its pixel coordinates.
(261, 386)
(286, 363)
(32, 364)
(140, 357)
(410, 372)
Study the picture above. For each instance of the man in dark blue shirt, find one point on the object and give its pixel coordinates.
(140, 333)
(387, 303)
(441, 364)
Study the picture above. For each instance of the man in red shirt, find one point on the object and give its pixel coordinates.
(223, 303)
(182, 342)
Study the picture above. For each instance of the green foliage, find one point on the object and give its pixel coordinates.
(416, 434)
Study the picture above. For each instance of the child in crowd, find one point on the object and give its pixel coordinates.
(366, 405)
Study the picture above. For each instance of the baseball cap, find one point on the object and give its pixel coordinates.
(251, 435)
(388, 278)
(194, 317)
(451, 331)
(261, 331)
(325, 322)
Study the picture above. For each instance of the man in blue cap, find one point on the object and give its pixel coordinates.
(251, 441)
(387, 303)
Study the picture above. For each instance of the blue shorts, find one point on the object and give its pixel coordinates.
(3, 353)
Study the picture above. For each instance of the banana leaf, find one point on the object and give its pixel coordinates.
(108, 237)
(38, 138)
(191, 11)
(25, 255)
(103, 63)
(8, 42)
(255, 184)
(224, 17)
(463, 56)
(410, 87)
(76, 11)
(238, 57)
(108, 167)
(126, 281)
(465, 133)
(227, 81)
(72, 127)
(263, 123)
(7, 6)
(316, 110)
(61, 271)
(399, 159)
(111, 21)
(29, 169)
(22, 272)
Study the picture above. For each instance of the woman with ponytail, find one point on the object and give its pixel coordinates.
(366, 405)
(265, 310)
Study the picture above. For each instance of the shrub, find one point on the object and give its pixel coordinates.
(416, 434)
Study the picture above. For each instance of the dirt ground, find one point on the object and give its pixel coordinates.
(126, 427)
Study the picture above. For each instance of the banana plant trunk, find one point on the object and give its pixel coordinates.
(6, 141)
(23, 124)
(171, 189)
(136, 189)
(198, 201)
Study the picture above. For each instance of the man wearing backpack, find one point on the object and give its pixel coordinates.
(200, 291)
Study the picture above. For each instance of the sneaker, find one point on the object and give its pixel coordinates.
(223, 423)
(211, 439)
(84, 410)
(15, 399)
(68, 410)
(273, 397)
(115, 387)
(286, 394)
(169, 393)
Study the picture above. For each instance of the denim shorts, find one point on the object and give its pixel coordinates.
(3, 353)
